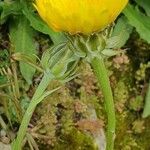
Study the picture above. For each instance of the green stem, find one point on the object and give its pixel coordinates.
(146, 111)
(103, 79)
(37, 97)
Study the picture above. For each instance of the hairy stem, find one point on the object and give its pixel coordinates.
(103, 79)
(37, 97)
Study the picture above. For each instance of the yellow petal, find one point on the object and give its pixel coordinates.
(79, 16)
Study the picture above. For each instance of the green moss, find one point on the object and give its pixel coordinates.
(75, 140)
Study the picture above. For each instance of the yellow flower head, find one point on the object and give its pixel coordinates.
(79, 16)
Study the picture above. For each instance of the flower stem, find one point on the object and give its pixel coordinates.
(103, 79)
(37, 97)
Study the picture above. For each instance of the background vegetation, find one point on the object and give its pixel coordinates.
(63, 120)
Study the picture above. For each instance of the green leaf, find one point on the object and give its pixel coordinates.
(21, 36)
(38, 24)
(146, 111)
(145, 4)
(140, 21)
(121, 32)
(1, 8)
(9, 8)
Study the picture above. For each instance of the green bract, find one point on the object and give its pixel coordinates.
(100, 45)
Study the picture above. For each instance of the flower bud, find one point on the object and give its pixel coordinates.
(60, 60)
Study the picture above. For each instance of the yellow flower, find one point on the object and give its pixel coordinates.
(79, 16)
